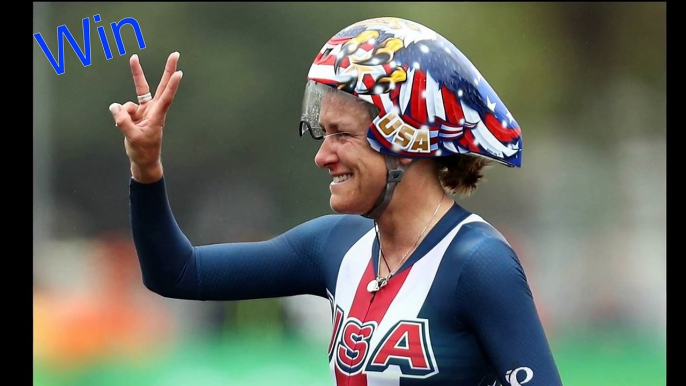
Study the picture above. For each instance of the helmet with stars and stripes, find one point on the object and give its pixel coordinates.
(431, 100)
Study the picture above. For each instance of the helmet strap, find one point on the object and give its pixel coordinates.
(395, 171)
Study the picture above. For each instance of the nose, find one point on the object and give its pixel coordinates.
(326, 154)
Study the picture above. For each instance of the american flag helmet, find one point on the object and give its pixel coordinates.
(432, 101)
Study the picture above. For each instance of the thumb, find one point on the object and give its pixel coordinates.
(122, 119)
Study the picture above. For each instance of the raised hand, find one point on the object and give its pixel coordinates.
(143, 124)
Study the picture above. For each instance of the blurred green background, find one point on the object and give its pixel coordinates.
(586, 213)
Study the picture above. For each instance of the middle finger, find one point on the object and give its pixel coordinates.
(169, 69)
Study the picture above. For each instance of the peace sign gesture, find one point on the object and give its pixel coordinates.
(142, 124)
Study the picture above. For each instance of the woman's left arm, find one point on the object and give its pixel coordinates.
(496, 302)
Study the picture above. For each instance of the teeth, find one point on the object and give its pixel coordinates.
(342, 178)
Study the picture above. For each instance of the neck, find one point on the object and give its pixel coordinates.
(414, 208)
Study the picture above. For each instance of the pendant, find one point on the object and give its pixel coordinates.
(376, 284)
(373, 286)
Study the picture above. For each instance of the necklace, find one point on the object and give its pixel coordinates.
(381, 281)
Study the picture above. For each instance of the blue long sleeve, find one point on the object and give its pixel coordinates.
(173, 267)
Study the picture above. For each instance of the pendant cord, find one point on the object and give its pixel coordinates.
(381, 255)
(383, 280)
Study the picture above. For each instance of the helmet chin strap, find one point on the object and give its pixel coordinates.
(395, 171)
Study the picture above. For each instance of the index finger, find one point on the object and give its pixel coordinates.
(138, 76)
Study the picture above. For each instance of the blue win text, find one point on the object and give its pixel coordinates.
(84, 54)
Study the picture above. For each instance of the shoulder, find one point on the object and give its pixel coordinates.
(326, 233)
(330, 221)
(339, 224)
(482, 262)
(479, 244)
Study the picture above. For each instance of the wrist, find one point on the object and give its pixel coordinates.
(146, 174)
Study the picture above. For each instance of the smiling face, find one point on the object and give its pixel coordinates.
(358, 172)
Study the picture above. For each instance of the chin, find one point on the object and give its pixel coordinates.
(344, 205)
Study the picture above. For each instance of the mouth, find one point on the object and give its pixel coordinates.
(342, 178)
